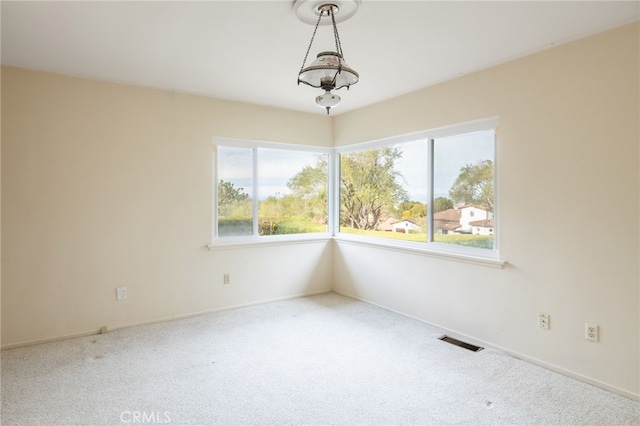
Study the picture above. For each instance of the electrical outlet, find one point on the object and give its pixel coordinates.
(226, 279)
(591, 332)
(543, 321)
(121, 293)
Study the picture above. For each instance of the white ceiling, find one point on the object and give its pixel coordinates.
(251, 51)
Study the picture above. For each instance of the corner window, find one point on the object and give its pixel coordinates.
(432, 191)
(434, 188)
(267, 190)
(383, 191)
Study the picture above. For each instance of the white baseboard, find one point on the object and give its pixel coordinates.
(49, 340)
(159, 320)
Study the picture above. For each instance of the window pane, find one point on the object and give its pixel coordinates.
(235, 191)
(463, 189)
(292, 188)
(383, 191)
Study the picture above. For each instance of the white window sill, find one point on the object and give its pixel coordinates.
(274, 240)
(441, 251)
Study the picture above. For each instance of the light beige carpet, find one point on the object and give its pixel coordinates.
(319, 360)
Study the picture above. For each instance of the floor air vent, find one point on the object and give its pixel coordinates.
(462, 344)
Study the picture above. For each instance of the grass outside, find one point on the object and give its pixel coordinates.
(417, 237)
(293, 225)
(469, 240)
(290, 225)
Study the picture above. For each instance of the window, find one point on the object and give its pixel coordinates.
(432, 191)
(269, 190)
(235, 191)
(434, 188)
(383, 191)
(463, 175)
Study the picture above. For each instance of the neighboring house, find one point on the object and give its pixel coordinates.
(387, 224)
(470, 213)
(446, 221)
(482, 227)
(406, 226)
(460, 220)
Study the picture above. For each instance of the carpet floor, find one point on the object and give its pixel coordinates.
(321, 360)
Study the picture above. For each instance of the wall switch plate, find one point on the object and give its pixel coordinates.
(591, 332)
(226, 279)
(121, 293)
(543, 321)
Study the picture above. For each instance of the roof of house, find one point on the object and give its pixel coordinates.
(410, 220)
(477, 206)
(450, 226)
(385, 225)
(447, 219)
(449, 215)
(485, 223)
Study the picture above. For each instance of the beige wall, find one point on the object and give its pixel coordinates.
(106, 185)
(568, 185)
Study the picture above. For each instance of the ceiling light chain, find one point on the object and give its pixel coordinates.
(336, 37)
(313, 36)
(329, 71)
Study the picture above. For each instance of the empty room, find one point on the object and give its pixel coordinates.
(320, 212)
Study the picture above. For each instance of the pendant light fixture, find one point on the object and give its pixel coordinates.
(329, 71)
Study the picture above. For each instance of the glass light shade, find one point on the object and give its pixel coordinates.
(323, 70)
(328, 100)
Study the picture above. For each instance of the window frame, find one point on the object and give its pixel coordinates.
(429, 247)
(473, 255)
(255, 238)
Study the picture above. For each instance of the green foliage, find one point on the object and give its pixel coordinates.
(474, 185)
(441, 204)
(412, 210)
(236, 209)
(369, 190)
(311, 181)
(479, 241)
(228, 194)
(234, 226)
(233, 204)
(274, 226)
(308, 192)
(270, 207)
(369, 187)
(302, 211)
